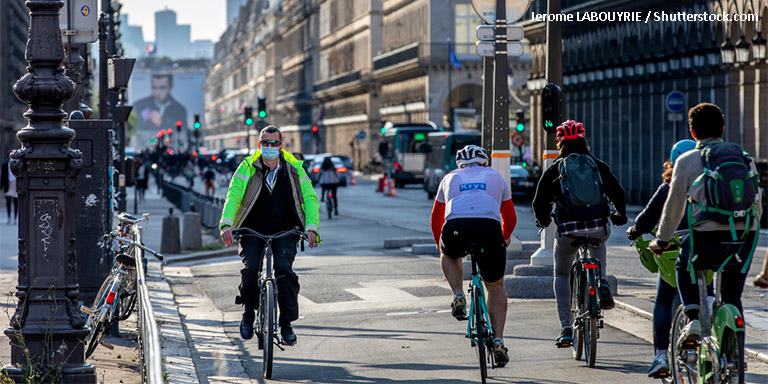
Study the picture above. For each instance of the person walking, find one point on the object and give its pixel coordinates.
(329, 181)
(142, 177)
(8, 185)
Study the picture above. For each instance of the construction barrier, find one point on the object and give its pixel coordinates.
(391, 191)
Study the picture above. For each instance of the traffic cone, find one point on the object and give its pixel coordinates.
(382, 183)
(387, 186)
(392, 188)
(352, 179)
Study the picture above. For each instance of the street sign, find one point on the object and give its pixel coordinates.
(518, 139)
(675, 102)
(675, 117)
(361, 135)
(84, 16)
(488, 32)
(486, 48)
(486, 9)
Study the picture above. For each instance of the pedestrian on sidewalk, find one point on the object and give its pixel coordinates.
(270, 192)
(761, 280)
(208, 177)
(142, 177)
(8, 185)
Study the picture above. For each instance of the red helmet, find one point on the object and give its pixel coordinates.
(570, 130)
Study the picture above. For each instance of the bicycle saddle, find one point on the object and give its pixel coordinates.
(592, 243)
(472, 249)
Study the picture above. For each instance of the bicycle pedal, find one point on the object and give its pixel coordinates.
(108, 346)
(85, 309)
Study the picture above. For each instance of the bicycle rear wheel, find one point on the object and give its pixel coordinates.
(683, 363)
(578, 330)
(732, 352)
(482, 337)
(97, 327)
(268, 326)
(590, 331)
(127, 292)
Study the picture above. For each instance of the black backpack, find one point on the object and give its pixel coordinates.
(582, 187)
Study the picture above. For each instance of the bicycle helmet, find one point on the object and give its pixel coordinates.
(681, 147)
(570, 130)
(471, 154)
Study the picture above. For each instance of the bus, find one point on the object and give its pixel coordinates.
(402, 153)
(440, 150)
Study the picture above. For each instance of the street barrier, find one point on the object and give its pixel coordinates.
(190, 229)
(208, 207)
(150, 352)
(170, 241)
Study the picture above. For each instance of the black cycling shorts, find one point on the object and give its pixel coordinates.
(486, 233)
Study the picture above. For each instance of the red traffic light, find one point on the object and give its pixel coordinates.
(214, 157)
(170, 131)
(178, 124)
(161, 133)
(314, 128)
(194, 153)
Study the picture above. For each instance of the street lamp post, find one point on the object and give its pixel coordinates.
(47, 318)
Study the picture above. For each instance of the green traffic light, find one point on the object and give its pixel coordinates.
(520, 127)
(383, 130)
(548, 123)
(248, 121)
(262, 114)
(197, 125)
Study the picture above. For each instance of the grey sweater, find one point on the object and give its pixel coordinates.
(687, 168)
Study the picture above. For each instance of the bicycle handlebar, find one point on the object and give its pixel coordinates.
(130, 219)
(157, 255)
(240, 232)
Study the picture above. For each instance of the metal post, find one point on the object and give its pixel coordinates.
(103, 108)
(74, 66)
(450, 87)
(487, 103)
(121, 200)
(543, 256)
(47, 317)
(500, 151)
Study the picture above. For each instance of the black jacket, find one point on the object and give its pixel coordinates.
(651, 214)
(4, 183)
(548, 191)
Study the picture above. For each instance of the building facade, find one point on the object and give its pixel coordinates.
(617, 76)
(346, 67)
(14, 23)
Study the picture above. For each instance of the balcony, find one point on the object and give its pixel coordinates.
(419, 54)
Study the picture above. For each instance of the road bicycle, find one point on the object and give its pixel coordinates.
(117, 296)
(479, 330)
(718, 357)
(329, 206)
(267, 330)
(586, 314)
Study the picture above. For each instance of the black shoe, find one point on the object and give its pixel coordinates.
(565, 340)
(606, 298)
(246, 325)
(336, 213)
(289, 338)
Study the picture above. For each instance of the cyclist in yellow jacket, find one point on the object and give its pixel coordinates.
(270, 192)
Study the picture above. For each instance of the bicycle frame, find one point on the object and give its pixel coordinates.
(267, 274)
(726, 317)
(472, 328)
(588, 267)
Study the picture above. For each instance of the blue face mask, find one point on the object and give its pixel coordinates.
(270, 153)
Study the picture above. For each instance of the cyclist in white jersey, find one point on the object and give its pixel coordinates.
(474, 205)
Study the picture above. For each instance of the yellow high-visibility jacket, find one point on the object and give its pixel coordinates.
(246, 183)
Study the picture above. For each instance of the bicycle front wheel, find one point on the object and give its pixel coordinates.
(268, 310)
(732, 353)
(329, 206)
(684, 362)
(578, 330)
(482, 337)
(97, 327)
(127, 293)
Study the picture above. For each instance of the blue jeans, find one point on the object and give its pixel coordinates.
(663, 310)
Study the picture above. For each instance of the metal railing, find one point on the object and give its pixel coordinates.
(150, 353)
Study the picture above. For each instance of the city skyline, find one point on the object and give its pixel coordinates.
(208, 25)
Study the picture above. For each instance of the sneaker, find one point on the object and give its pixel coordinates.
(606, 298)
(459, 308)
(659, 367)
(289, 338)
(500, 354)
(566, 338)
(691, 333)
(246, 325)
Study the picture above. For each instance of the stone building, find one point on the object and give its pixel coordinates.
(346, 67)
(14, 22)
(617, 76)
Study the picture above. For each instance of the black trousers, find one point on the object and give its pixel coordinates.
(284, 252)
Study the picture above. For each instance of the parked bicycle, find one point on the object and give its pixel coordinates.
(116, 299)
(718, 357)
(267, 330)
(586, 313)
(479, 330)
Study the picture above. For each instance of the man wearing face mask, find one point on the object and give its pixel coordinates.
(270, 192)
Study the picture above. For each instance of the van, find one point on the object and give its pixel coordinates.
(402, 153)
(440, 150)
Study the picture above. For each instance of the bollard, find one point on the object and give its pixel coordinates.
(170, 240)
(382, 183)
(192, 237)
(391, 191)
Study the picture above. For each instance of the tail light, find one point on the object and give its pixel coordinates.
(214, 157)
(592, 290)
(111, 297)
(590, 266)
(330, 194)
(739, 321)
(315, 170)
(342, 169)
(398, 168)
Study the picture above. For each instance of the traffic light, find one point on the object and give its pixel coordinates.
(262, 107)
(197, 122)
(383, 130)
(551, 107)
(178, 125)
(520, 120)
(248, 113)
(315, 129)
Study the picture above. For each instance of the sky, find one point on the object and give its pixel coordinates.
(208, 18)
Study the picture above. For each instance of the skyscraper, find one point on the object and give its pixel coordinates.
(174, 40)
(132, 38)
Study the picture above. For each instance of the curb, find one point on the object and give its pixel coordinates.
(648, 316)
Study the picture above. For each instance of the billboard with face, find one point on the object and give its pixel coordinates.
(163, 97)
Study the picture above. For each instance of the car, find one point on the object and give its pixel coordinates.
(317, 161)
(522, 183)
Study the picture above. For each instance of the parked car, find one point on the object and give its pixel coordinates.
(440, 150)
(317, 162)
(521, 181)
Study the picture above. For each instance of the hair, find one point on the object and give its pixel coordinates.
(706, 121)
(327, 164)
(270, 129)
(566, 147)
(666, 174)
(164, 75)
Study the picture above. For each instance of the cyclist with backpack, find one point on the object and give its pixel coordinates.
(473, 204)
(580, 186)
(720, 181)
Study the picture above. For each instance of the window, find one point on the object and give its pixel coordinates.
(467, 22)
